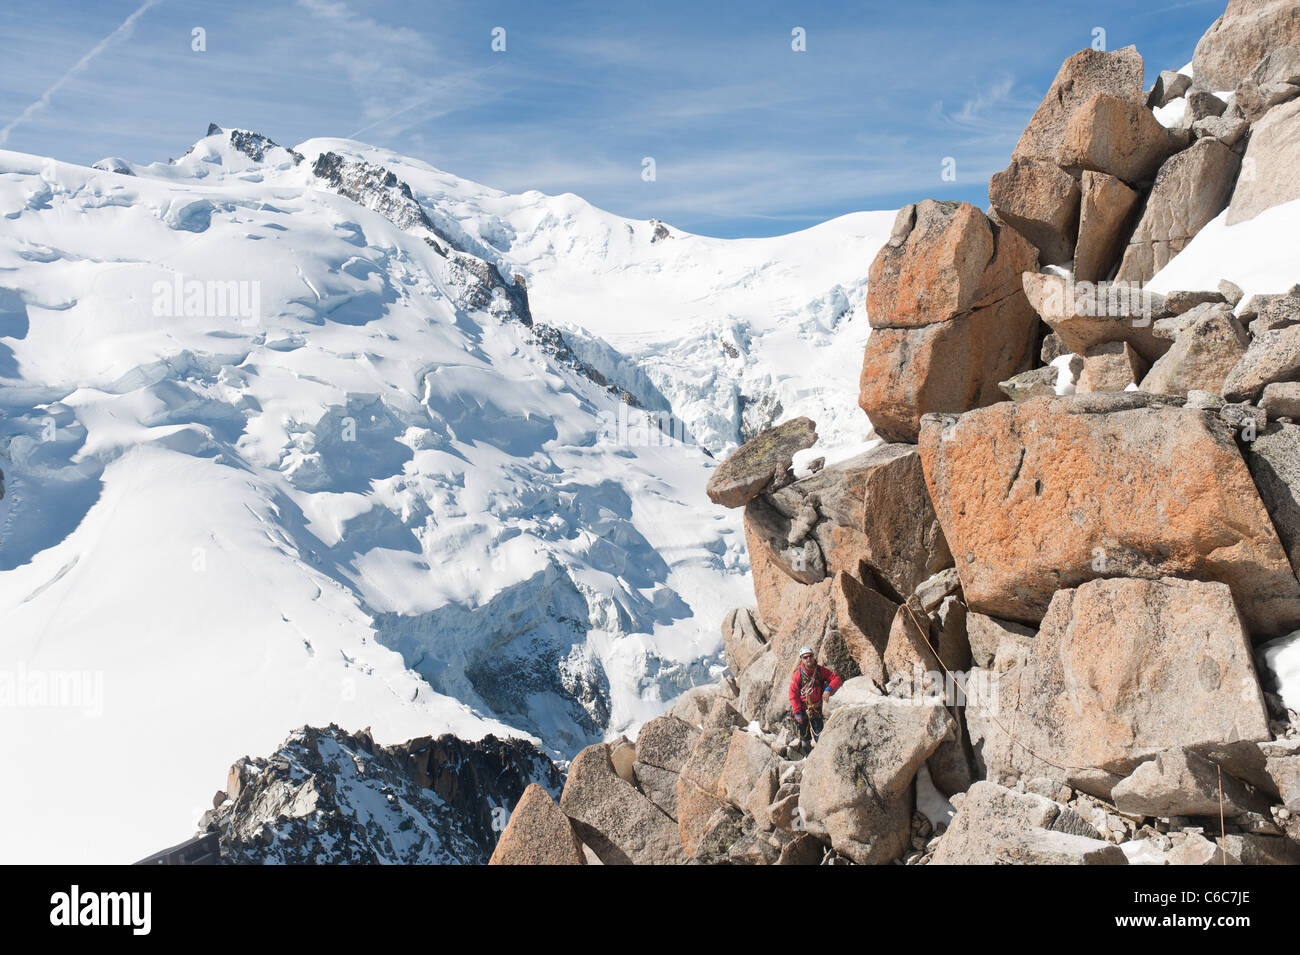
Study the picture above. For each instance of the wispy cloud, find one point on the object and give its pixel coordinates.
(1181, 6)
(886, 99)
(123, 31)
(977, 111)
(389, 69)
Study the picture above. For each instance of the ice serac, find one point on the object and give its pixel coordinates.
(1121, 671)
(1048, 493)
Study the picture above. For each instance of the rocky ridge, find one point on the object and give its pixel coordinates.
(329, 797)
(1061, 616)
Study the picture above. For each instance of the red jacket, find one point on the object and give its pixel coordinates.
(826, 680)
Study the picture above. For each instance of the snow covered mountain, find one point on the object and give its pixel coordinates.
(328, 797)
(285, 441)
(726, 335)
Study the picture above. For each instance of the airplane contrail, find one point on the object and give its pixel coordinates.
(123, 31)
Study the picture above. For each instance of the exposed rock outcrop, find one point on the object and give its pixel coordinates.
(1207, 348)
(761, 463)
(538, 834)
(612, 817)
(1167, 493)
(1085, 315)
(998, 826)
(1191, 189)
(1119, 137)
(1246, 32)
(327, 796)
(948, 316)
(1121, 671)
(1107, 205)
(1267, 176)
(1044, 610)
(856, 784)
(1117, 73)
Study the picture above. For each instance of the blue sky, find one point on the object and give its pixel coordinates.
(749, 137)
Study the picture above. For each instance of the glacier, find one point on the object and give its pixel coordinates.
(323, 434)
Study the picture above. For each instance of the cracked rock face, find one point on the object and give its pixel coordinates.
(1085, 315)
(998, 826)
(1117, 73)
(1236, 42)
(949, 317)
(1268, 168)
(873, 507)
(856, 786)
(538, 834)
(1204, 351)
(1190, 190)
(944, 260)
(1121, 671)
(1048, 493)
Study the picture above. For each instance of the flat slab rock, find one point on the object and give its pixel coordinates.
(1181, 783)
(1121, 671)
(1271, 157)
(999, 826)
(761, 463)
(1086, 314)
(1051, 492)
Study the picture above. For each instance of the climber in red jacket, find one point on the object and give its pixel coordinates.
(808, 684)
